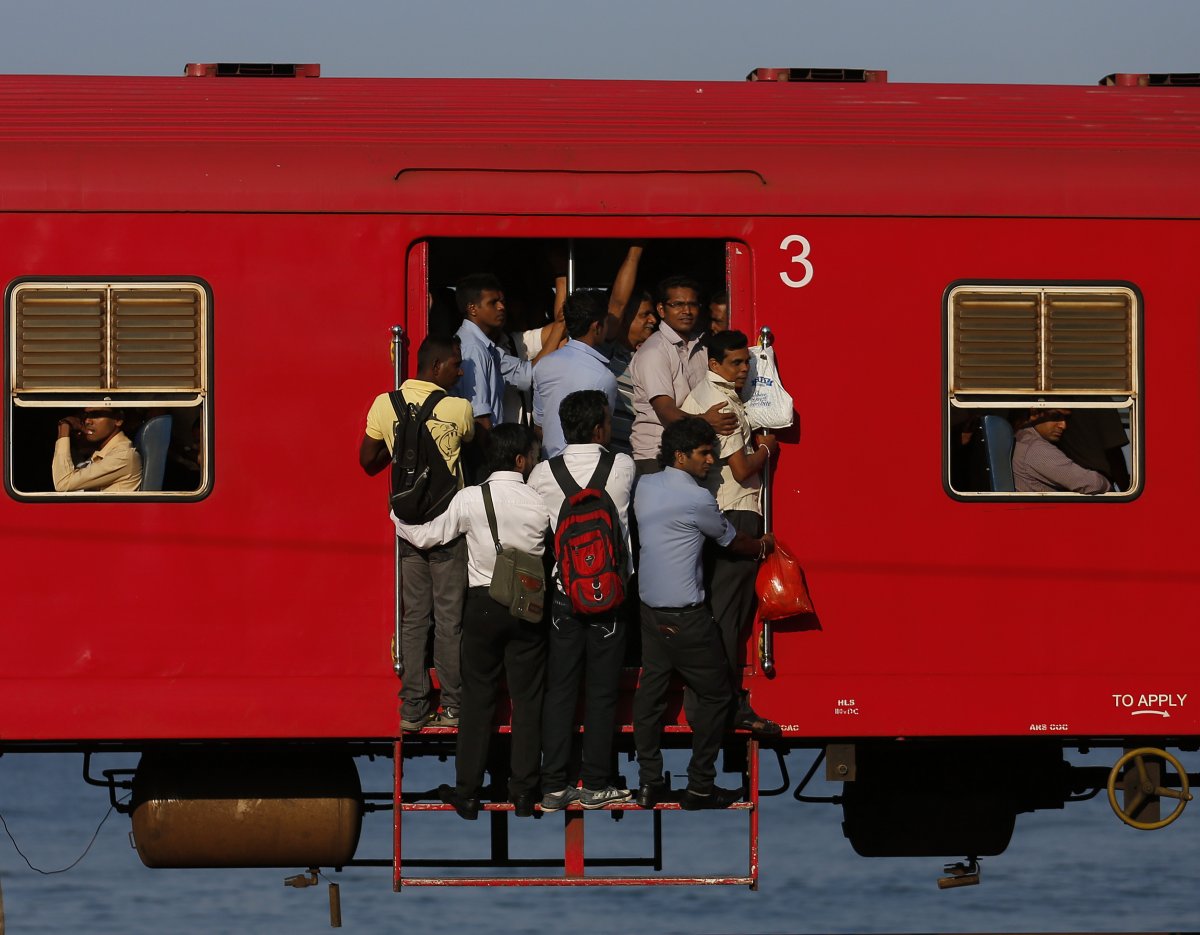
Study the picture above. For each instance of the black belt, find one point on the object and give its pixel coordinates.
(672, 629)
(685, 609)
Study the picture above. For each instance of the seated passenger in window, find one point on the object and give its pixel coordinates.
(1039, 465)
(114, 467)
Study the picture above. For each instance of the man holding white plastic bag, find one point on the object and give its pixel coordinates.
(736, 483)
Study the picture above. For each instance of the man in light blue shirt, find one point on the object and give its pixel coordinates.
(577, 365)
(675, 515)
(481, 301)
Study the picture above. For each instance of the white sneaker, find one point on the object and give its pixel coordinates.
(609, 795)
(554, 801)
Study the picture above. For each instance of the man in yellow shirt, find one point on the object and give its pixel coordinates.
(434, 580)
(115, 465)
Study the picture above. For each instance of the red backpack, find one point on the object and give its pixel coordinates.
(588, 544)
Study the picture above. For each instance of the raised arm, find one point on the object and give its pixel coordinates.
(622, 287)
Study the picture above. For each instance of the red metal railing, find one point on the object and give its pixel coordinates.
(574, 862)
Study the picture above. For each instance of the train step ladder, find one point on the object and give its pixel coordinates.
(574, 863)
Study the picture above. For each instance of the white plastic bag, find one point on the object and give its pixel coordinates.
(768, 405)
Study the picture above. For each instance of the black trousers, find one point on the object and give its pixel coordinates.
(729, 583)
(682, 640)
(495, 642)
(590, 649)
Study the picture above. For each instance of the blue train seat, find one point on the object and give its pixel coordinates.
(151, 440)
(998, 440)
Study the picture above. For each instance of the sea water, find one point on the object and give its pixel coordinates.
(1078, 869)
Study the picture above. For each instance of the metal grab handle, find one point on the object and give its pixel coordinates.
(767, 647)
(397, 378)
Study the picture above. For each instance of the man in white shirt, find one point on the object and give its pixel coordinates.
(736, 482)
(592, 643)
(493, 641)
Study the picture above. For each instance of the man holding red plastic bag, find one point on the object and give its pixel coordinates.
(676, 516)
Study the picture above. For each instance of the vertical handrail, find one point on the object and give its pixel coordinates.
(397, 813)
(397, 379)
(767, 650)
(752, 779)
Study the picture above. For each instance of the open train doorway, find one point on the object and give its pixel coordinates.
(535, 272)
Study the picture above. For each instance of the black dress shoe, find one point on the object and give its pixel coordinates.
(523, 803)
(718, 798)
(761, 727)
(651, 794)
(467, 807)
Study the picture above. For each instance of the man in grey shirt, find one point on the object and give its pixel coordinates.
(666, 368)
(679, 634)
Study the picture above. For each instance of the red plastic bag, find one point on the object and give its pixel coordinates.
(782, 591)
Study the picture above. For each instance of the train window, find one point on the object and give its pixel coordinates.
(95, 364)
(1043, 384)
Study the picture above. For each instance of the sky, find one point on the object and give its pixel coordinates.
(988, 41)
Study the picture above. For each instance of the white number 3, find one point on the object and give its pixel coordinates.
(801, 258)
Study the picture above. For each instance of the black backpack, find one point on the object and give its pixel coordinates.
(422, 484)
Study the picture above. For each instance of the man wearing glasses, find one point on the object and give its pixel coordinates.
(115, 465)
(666, 368)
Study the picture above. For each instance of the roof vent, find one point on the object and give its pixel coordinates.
(250, 70)
(1176, 79)
(820, 75)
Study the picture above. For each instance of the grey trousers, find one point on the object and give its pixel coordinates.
(433, 584)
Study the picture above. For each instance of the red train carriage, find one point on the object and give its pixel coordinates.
(231, 253)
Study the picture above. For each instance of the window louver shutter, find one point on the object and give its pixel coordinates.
(156, 340)
(109, 339)
(61, 340)
(1044, 341)
(996, 342)
(1089, 343)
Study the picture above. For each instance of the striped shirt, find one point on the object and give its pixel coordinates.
(619, 360)
(1039, 466)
